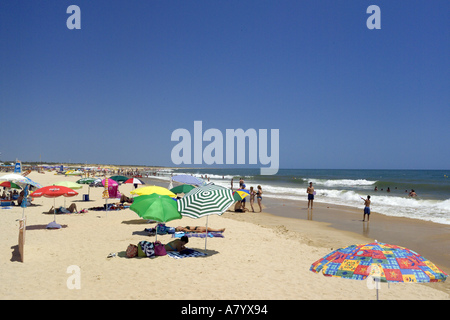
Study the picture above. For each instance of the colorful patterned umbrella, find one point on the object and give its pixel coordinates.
(10, 185)
(384, 262)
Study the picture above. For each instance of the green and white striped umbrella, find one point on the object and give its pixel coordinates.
(206, 200)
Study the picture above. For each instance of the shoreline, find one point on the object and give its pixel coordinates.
(344, 226)
(258, 251)
(394, 230)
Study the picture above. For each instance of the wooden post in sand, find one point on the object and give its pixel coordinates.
(22, 229)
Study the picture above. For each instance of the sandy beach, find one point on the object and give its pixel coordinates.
(263, 256)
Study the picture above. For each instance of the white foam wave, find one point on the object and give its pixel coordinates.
(341, 182)
(429, 210)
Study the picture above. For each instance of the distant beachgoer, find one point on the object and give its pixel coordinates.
(310, 192)
(198, 229)
(376, 188)
(231, 183)
(252, 198)
(412, 193)
(388, 189)
(259, 197)
(366, 208)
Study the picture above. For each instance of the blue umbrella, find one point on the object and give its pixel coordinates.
(187, 179)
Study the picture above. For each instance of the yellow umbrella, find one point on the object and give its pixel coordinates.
(154, 189)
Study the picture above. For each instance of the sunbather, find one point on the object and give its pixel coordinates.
(198, 229)
(177, 245)
(124, 199)
(71, 209)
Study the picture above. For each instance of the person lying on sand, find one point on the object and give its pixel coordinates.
(198, 229)
(71, 209)
(177, 245)
(126, 199)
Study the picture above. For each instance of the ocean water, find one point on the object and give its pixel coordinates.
(346, 187)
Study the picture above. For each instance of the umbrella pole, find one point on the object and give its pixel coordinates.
(206, 235)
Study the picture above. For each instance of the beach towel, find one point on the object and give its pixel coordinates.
(187, 253)
(148, 248)
(198, 235)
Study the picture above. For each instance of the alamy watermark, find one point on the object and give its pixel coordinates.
(213, 153)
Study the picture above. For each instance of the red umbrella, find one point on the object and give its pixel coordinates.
(53, 192)
(134, 181)
(9, 184)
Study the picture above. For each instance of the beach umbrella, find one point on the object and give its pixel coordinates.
(154, 189)
(69, 184)
(19, 179)
(156, 207)
(119, 178)
(109, 182)
(86, 180)
(10, 185)
(384, 262)
(240, 194)
(134, 181)
(184, 188)
(187, 179)
(205, 201)
(54, 192)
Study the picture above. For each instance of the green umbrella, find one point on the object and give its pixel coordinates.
(68, 184)
(156, 207)
(119, 178)
(184, 188)
(86, 180)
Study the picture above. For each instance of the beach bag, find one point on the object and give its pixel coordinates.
(132, 251)
(161, 229)
(160, 250)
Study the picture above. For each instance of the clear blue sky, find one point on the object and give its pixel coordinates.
(342, 96)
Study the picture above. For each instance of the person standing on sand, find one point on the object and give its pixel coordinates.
(310, 192)
(366, 208)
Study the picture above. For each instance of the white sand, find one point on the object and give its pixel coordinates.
(251, 262)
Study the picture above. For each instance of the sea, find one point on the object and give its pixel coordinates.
(346, 187)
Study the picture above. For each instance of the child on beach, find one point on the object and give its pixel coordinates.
(259, 197)
(366, 208)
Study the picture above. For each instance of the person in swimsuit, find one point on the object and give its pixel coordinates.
(366, 208)
(177, 245)
(252, 198)
(310, 192)
(198, 229)
(259, 197)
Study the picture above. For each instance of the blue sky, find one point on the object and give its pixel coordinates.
(341, 95)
